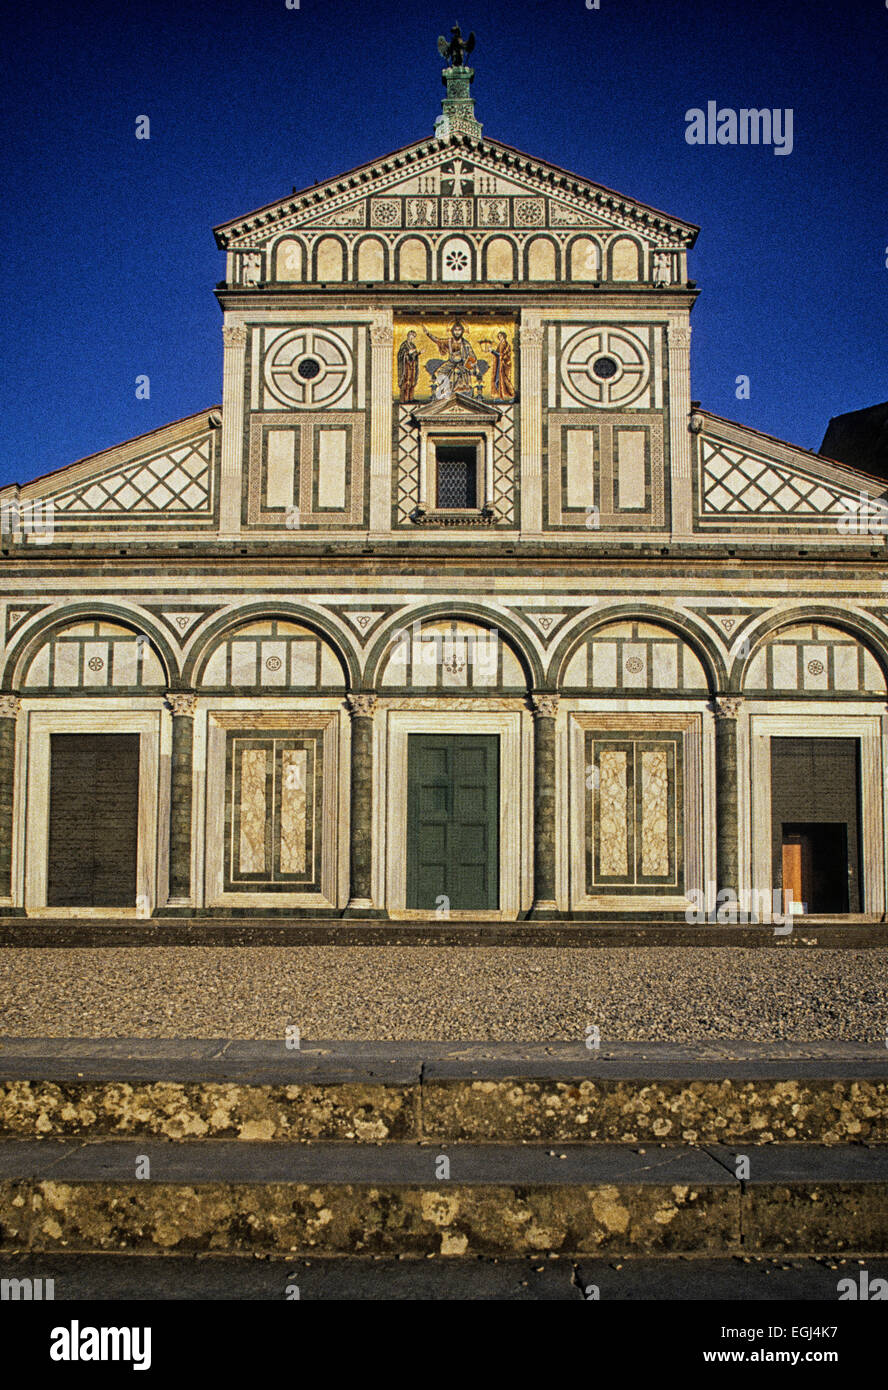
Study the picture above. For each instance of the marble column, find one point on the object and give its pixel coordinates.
(183, 706)
(361, 708)
(545, 710)
(9, 709)
(727, 710)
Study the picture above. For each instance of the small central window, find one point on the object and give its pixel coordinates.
(457, 474)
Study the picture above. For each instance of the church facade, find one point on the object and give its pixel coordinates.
(458, 605)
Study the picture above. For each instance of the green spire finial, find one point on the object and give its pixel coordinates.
(458, 115)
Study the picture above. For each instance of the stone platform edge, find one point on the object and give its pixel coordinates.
(20, 931)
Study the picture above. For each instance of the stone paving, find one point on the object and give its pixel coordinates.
(681, 994)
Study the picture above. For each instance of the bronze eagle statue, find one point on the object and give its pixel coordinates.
(458, 48)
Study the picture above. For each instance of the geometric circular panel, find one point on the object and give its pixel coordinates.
(605, 367)
(308, 367)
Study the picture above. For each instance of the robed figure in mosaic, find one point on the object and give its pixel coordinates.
(501, 352)
(408, 366)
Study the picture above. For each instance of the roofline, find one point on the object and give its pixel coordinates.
(470, 142)
(87, 458)
(774, 439)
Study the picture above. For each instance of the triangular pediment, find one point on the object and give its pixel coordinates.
(456, 410)
(751, 481)
(462, 182)
(167, 477)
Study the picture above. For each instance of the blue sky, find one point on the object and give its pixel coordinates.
(108, 251)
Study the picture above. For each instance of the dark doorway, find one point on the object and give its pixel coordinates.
(93, 820)
(815, 865)
(815, 821)
(452, 821)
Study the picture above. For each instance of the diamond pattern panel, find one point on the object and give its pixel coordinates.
(172, 483)
(408, 465)
(504, 467)
(741, 485)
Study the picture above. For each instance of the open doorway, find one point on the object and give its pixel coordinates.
(815, 819)
(815, 865)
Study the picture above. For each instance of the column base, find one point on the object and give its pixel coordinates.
(545, 909)
(363, 907)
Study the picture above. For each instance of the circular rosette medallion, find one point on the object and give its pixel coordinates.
(605, 367)
(308, 368)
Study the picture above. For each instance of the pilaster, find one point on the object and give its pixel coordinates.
(679, 339)
(381, 342)
(531, 478)
(234, 337)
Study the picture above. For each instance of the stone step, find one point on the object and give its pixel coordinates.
(642, 1093)
(130, 1277)
(509, 1200)
(853, 932)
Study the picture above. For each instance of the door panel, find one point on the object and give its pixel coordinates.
(453, 821)
(93, 820)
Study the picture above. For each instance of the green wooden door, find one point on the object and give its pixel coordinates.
(452, 821)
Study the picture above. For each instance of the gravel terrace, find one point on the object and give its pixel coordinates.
(432, 993)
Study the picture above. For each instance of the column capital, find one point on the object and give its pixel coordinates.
(361, 706)
(9, 706)
(727, 706)
(544, 704)
(679, 335)
(531, 335)
(381, 335)
(234, 335)
(182, 703)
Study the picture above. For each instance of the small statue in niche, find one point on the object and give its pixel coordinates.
(252, 268)
(662, 268)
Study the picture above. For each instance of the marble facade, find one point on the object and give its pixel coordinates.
(641, 596)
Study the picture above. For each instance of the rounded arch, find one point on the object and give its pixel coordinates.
(456, 259)
(509, 630)
(541, 258)
(329, 259)
(413, 260)
(288, 259)
(50, 625)
(499, 260)
(861, 628)
(371, 259)
(227, 624)
(624, 259)
(700, 642)
(584, 258)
